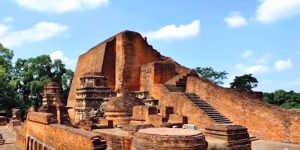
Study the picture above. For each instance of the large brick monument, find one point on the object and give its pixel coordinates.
(126, 95)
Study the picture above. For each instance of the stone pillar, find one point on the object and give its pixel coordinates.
(58, 114)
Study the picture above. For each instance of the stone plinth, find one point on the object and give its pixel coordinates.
(106, 123)
(168, 139)
(40, 117)
(118, 118)
(119, 109)
(3, 121)
(140, 114)
(136, 127)
(14, 122)
(177, 120)
(237, 136)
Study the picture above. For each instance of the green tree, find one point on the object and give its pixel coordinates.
(283, 98)
(31, 75)
(280, 97)
(268, 98)
(245, 82)
(209, 73)
(7, 94)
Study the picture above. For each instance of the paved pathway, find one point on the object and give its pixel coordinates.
(10, 139)
(268, 145)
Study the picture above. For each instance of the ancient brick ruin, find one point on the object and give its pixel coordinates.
(126, 95)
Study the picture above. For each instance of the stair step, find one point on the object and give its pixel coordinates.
(224, 122)
(204, 105)
(207, 108)
(215, 115)
(221, 119)
(212, 113)
(216, 118)
(193, 97)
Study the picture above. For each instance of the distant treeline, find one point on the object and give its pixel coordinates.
(283, 98)
(22, 83)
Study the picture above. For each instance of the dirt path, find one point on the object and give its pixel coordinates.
(268, 145)
(10, 139)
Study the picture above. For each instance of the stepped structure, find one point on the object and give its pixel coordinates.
(91, 96)
(169, 106)
(208, 109)
(54, 102)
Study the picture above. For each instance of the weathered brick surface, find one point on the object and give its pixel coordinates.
(21, 136)
(156, 73)
(117, 58)
(245, 108)
(3, 121)
(183, 106)
(57, 136)
(141, 113)
(177, 119)
(116, 139)
(40, 117)
(168, 139)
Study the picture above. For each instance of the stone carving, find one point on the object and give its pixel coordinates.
(54, 102)
(91, 95)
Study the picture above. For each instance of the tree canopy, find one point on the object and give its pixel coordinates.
(245, 82)
(21, 84)
(7, 93)
(210, 74)
(283, 98)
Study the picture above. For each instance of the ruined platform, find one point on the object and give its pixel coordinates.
(168, 138)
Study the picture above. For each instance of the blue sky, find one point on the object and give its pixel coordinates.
(255, 36)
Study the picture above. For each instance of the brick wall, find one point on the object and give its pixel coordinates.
(246, 108)
(56, 136)
(181, 105)
(119, 58)
(132, 52)
(86, 63)
(156, 73)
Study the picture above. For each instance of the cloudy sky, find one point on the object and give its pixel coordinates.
(254, 36)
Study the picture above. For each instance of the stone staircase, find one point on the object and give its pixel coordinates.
(174, 88)
(178, 84)
(208, 109)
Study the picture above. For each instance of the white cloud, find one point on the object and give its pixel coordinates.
(39, 32)
(272, 10)
(247, 54)
(8, 19)
(235, 20)
(60, 55)
(281, 65)
(3, 29)
(263, 59)
(170, 32)
(61, 6)
(255, 69)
